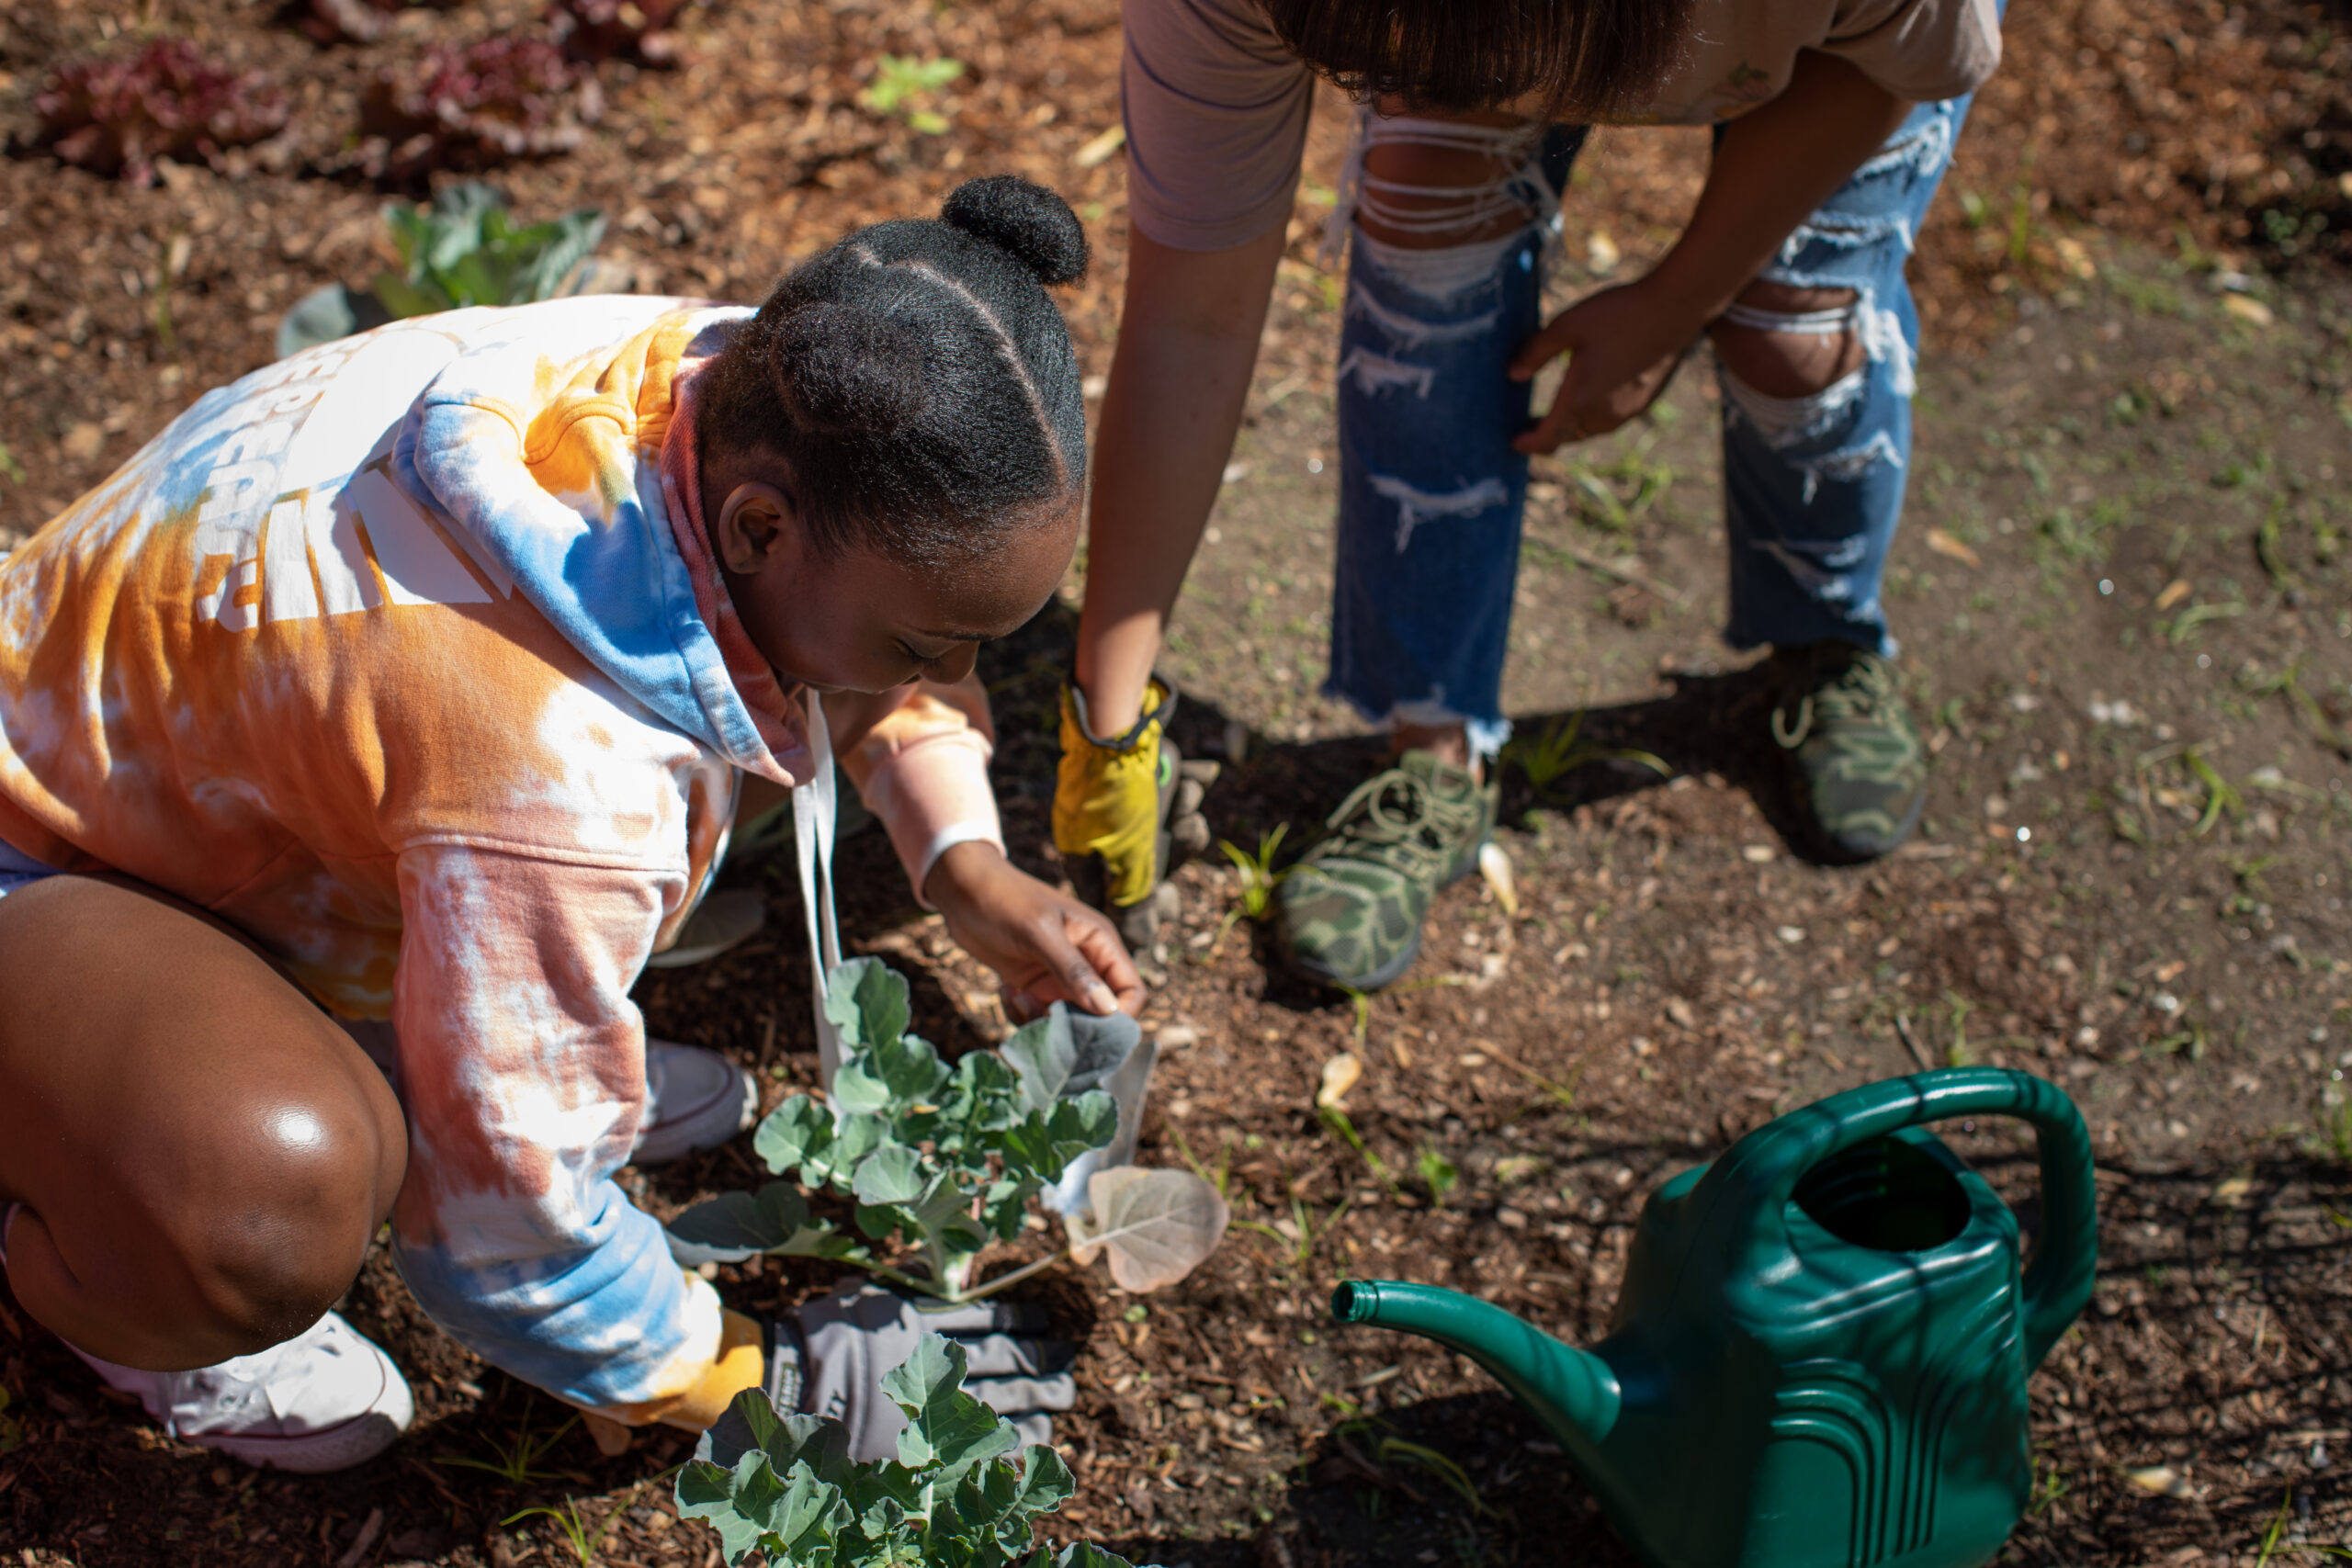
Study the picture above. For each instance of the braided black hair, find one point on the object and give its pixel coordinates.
(915, 381)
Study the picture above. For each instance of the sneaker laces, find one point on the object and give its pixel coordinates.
(1395, 819)
(1857, 693)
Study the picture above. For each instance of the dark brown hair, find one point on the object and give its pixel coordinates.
(916, 379)
(1586, 58)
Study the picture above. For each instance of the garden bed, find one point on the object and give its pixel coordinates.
(2127, 381)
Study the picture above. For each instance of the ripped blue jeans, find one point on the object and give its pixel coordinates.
(1431, 494)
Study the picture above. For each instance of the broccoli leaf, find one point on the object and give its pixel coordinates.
(736, 1225)
(868, 1001)
(1064, 1055)
(1156, 1224)
(892, 1175)
(798, 1131)
(949, 1431)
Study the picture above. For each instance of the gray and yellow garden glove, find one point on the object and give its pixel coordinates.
(1128, 812)
(829, 1358)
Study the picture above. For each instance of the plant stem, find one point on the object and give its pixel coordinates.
(1008, 1280)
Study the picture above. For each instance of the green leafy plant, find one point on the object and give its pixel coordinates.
(516, 1463)
(1259, 877)
(963, 1492)
(584, 1542)
(1558, 751)
(1305, 1234)
(1396, 1451)
(12, 1431)
(947, 1159)
(901, 80)
(464, 249)
(1438, 1173)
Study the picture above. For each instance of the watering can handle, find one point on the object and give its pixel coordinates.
(2059, 1281)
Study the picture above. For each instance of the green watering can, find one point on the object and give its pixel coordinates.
(1820, 1357)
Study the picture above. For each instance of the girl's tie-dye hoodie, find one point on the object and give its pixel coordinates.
(406, 657)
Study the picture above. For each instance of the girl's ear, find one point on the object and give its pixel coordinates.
(756, 522)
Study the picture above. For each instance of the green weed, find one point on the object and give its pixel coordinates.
(2185, 625)
(2049, 1489)
(1305, 1234)
(12, 1431)
(584, 1543)
(1392, 1450)
(516, 1463)
(1259, 877)
(2287, 684)
(1345, 1130)
(1957, 1053)
(1438, 1173)
(1614, 495)
(1222, 1179)
(1559, 752)
(9, 466)
(900, 79)
(2219, 794)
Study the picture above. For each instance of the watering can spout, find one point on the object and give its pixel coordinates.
(1574, 1391)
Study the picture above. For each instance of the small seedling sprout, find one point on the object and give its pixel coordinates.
(1259, 877)
(899, 80)
(1559, 752)
(516, 1463)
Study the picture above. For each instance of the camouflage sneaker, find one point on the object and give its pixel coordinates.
(1861, 772)
(1351, 908)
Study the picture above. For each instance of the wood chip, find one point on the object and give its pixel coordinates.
(1943, 543)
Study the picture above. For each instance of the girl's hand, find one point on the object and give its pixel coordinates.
(1045, 945)
(1623, 346)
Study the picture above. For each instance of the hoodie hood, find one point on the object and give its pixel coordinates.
(552, 463)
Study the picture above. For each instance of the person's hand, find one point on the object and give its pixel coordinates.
(1045, 945)
(1622, 345)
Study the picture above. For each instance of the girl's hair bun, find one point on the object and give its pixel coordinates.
(841, 370)
(1032, 223)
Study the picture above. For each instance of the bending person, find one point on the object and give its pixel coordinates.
(412, 679)
(1835, 121)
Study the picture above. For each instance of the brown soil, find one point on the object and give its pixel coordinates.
(2126, 525)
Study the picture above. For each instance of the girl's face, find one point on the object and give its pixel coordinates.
(860, 622)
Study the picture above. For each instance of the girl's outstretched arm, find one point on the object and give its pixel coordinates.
(919, 756)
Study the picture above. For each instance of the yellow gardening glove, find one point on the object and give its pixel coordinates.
(1111, 801)
(741, 1363)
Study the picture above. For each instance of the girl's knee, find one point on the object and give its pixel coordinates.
(1786, 342)
(293, 1214)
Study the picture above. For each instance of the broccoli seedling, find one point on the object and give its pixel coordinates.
(963, 1493)
(118, 115)
(946, 1159)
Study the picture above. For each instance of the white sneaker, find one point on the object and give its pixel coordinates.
(327, 1399)
(694, 1100)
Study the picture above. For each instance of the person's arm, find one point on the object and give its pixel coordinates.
(522, 1064)
(1188, 340)
(1775, 165)
(918, 755)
